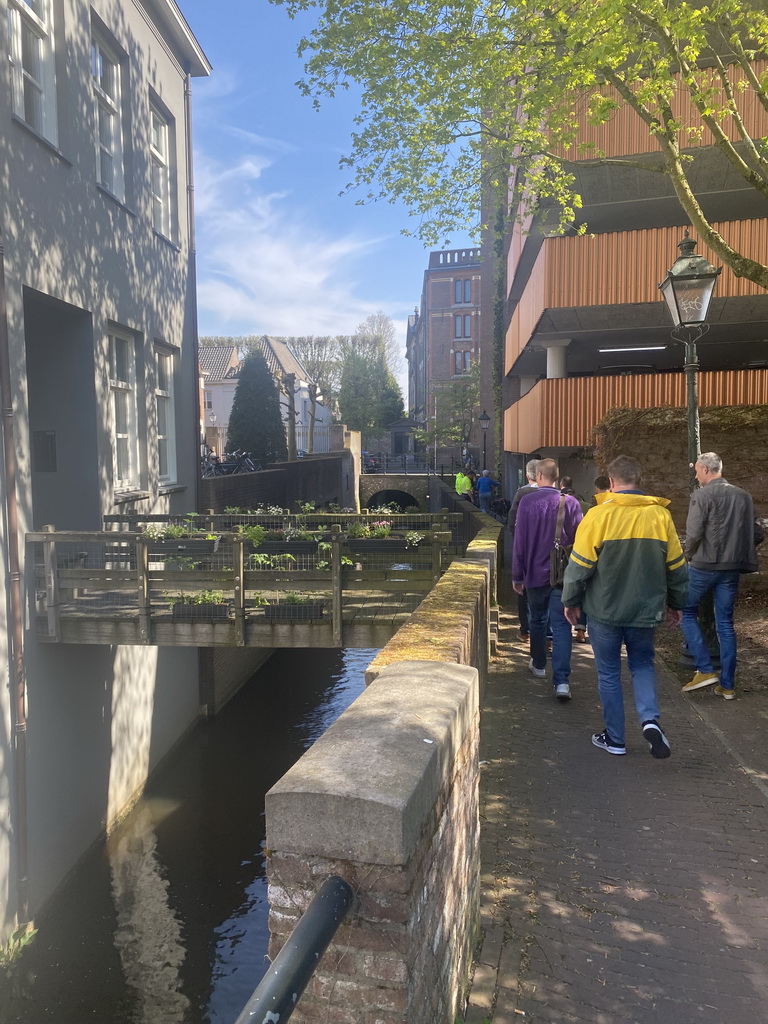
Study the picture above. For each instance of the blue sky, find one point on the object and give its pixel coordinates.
(279, 251)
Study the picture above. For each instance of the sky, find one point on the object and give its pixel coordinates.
(280, 252)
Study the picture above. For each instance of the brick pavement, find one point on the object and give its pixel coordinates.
(619, 889)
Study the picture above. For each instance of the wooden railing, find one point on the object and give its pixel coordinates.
(119, 587)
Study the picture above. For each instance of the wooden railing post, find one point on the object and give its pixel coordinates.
(142, 586)
(238, 543)
(336, 581)
(51, 584)
(440, 542)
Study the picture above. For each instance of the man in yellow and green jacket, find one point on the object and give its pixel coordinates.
(628, 572)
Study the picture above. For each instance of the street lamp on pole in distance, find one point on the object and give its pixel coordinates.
(484, 420)
(687, 290)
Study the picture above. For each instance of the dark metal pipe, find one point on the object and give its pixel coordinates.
(289, 973)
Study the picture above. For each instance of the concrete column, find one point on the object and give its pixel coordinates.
(556, 357)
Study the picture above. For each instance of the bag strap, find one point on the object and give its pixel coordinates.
(559, 525)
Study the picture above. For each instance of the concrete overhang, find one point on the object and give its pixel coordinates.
(738, 337)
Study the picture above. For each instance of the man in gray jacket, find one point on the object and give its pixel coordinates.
(720, 545)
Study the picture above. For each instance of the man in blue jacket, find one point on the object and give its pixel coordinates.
(485, 487)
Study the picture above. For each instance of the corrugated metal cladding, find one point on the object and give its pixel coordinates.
(625, 134)
(619, 268)
(563, 412)
(626, 266)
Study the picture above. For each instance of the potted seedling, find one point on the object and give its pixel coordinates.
(294, 606)
(204, 605)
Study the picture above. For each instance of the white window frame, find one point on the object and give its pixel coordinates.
(108, 114)
(28, 83)
(160, 171)
(125, 443)
(164, 397)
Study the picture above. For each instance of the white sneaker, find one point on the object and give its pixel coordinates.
(540, 673)
(563, 692)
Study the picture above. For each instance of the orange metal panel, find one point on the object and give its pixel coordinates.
(562, 413)
(625, 134)
(626, 266)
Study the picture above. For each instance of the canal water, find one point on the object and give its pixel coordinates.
(166, 922)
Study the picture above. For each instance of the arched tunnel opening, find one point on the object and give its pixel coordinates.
(406, 501)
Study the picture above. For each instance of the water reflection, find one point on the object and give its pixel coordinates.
(166, 923)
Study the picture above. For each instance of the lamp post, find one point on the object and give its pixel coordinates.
(687, 290)
(484, 420)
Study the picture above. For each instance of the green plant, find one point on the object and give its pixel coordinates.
(293, 597)
(17, 942)
(181, 564)
(201, 597)
(380, 528)
(358, 530)
(307, 506)
(255, 533)
(259, 560)
(413, 538)
(165, 531)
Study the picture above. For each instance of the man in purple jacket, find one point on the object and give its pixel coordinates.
(534, 539)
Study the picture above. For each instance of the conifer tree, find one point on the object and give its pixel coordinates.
(255, 423)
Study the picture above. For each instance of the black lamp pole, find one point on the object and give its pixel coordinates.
(687, 290)
(484, 420)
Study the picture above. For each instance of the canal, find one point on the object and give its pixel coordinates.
(166, 921)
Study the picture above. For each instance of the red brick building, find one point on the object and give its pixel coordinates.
(444, 334)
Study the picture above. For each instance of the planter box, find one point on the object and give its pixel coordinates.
(361, 545)
(200, 612)
(185, 547)
(282, 612)
(286, 547)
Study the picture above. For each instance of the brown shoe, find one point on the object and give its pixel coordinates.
(580, 636)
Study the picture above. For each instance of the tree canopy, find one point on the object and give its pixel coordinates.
(455, 95)
(255, 423)
(369, 396)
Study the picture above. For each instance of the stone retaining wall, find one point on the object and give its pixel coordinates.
(388, 799)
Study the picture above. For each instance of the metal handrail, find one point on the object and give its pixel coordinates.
(280, 989)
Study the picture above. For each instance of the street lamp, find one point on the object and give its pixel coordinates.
(484, 420)
(687, 290)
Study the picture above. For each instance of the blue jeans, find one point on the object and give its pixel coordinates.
(545, 607)
(725, 586)
(484, 501)
(606, 646)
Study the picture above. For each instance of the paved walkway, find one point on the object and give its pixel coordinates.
(620, 889)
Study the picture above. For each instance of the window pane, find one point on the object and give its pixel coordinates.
(467, 326)
(467, 361)
(122, 398)
(457, 326)
(162, 418)
(457, 362)
(468, 291)
(162, 457)
(162, 372)
(30, 52)
(457, 291)
(123, 459)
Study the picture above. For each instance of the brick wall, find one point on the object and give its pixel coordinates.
(388, 800)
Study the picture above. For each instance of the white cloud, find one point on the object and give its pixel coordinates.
(263, 267)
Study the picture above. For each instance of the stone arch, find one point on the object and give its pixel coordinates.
(407, 502)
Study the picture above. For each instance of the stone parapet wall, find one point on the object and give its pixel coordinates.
(388, 800)
(450, 625)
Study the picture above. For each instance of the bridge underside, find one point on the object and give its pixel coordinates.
(369, 619)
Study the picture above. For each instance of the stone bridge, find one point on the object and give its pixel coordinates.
(407, 489)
